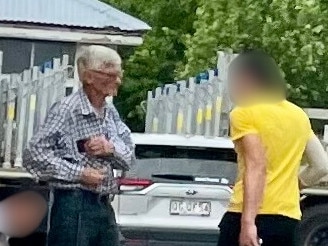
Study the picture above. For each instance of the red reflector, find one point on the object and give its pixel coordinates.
(129, 242)
(135, 182)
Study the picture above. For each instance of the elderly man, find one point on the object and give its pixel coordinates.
(76, 150)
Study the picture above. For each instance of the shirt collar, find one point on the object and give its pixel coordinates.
(86, 107)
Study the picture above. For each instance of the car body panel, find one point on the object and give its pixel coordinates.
(145, 214)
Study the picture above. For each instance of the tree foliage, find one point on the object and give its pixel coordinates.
(187, 34)
(293, 32)
(155, 61)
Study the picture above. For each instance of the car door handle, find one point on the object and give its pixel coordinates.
(191, 192)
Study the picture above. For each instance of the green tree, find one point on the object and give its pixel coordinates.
(155, 61)
(293, 32)
(187, 34)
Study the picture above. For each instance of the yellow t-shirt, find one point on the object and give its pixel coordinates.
(284, 130)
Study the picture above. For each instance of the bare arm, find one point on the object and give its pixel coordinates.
(254, 176)
(317, 160)
(245, 135)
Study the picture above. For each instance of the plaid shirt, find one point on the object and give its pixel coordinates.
(52, 154)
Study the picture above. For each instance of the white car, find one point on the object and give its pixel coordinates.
(177, 192)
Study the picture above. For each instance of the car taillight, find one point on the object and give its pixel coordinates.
(130, 184)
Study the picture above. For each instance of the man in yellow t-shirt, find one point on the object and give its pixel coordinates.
(270, 135)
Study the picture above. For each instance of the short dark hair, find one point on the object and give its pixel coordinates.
(262, 67)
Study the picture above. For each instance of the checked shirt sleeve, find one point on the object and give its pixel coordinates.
(123, 145)
(40, 157)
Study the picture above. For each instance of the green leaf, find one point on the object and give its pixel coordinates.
(317, 29)
(186, 34)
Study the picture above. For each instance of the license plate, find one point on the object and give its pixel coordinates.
(189, 207)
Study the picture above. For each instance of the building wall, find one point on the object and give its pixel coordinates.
(17, 53)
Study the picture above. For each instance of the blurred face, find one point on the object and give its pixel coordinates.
(242, 87)
(106, 80)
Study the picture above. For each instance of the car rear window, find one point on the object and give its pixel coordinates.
(200, 163)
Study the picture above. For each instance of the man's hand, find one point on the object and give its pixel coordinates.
(92, 177)
(99, 146)
(248, 235)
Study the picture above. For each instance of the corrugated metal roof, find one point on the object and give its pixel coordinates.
(77, 13)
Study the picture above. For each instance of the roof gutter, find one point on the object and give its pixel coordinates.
(66, 36)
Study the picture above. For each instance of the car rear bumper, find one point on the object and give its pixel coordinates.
(166, 236)
(166, 243)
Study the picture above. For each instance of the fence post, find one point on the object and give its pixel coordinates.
(180, 118)
(1, 62)
(2, 111)
(325, 137)
(68, 82)
(190, 98)
(43, 89)
(21, 114)
(169, 92)
(32, 104)
(11, 104)
(56, 82)
(156, 118)
(149, 112)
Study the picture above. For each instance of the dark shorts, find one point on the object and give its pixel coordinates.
(274, 230)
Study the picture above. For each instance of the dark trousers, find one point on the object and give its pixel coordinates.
(81, 218)
(274, 230)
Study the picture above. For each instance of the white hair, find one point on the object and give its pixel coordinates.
(95, 56)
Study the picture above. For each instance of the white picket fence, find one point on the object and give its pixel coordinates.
(200, 105)
(24, 101)
(197, 106)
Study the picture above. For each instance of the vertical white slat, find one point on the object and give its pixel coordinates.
(50, 87)
(2, 108)
(4, 87)
(44, 96)
(325, 137)
(32, 55)
(65, 61)
(168, 120)
(200, 108)
(1, 62)
(32, 104)
(67, 82)
(156, 124)
(210, 105)
(325, 134)
(57, 82)
(149, 112)
(11, 104)
(190, 102)
(217, 103)
(21, 109)
(39, 88)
